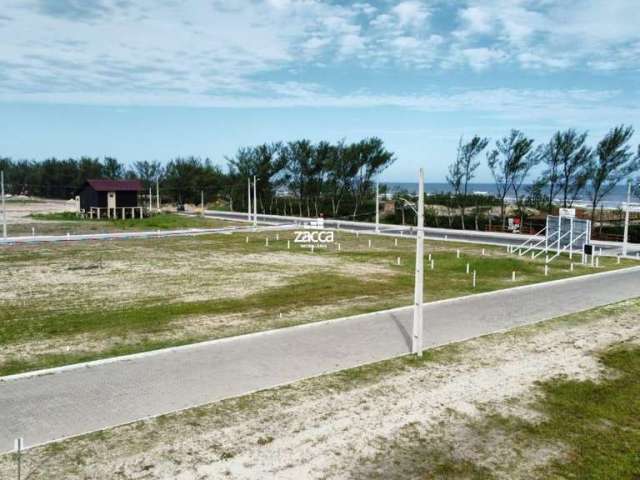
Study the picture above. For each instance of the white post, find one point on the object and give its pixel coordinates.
(513, 276)
(546, 269)
(266, 242)
(249, 199)
(158, 194)
(429, 257)
(396, 242)
(288, 244)
(398, 260)
(483, 252)
(432, 264)
(457, 253)
(18, 446)
(618, 259)
(474, 279)
(150, 199)
(369, 243)
(246, 240)
(625, 238)
(467, 269)
(571, 239)
(571, 267)
(255, 202)
(377, 207)
(416, 344)
(339, 247)
(597, 262)
(4, 208)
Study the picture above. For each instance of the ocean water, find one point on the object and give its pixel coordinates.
(613, 200)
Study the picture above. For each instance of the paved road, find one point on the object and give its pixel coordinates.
(495, 238)
(48, 407)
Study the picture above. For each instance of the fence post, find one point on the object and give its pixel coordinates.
(474, 279)
(467, 269)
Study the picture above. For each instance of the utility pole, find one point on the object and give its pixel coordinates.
(4, 208)
(255, 202)
(417, 343)
(626, 219)
(157, 194)
(202, 202)
(377, 207)
(150, 200)
(249, 199)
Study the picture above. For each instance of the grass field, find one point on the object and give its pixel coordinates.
(60, 223)
(66, 303)
(553, 400)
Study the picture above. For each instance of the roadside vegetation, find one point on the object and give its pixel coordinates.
(557, 399)
(60, 223)
(67, 303)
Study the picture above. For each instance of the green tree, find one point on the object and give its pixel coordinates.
(612, 163)
(509, 163)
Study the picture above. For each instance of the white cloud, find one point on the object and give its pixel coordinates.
(554, 35)
(411, 13)
(148, 51)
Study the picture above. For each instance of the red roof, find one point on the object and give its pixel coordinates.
(116, 185)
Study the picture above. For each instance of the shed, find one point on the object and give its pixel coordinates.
(111, 198)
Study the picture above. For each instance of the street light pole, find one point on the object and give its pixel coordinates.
(255, 203)
(158, 193)
(377, 207)
(249, 199)
(417, 343)
(626, 219)
(4, 209)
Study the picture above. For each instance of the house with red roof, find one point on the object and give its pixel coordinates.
(111, 198)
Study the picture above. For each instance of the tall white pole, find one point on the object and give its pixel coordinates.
(157, 194)
(377, 207)
(255, 202)
(4, 209)
(249, 211)
(626, 220)
(202, 202)
(150, 199)
(416, 345)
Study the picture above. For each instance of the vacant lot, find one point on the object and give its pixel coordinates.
(65, 303)
(555, 400)
(56, 217)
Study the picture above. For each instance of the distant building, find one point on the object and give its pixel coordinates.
(111, 198)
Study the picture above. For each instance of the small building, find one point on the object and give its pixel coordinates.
(111, 198)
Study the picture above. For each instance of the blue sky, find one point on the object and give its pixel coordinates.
(153, 79)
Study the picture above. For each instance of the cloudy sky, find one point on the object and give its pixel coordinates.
(153, 79)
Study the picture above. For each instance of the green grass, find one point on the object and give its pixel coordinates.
(162, 221)
(598, 422)
(57, 216)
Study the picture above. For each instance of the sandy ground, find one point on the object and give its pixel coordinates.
(392, 424)
(20, 208)
(139, 272)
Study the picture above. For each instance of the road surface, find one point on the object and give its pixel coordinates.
(473, 236)
(79, 400)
